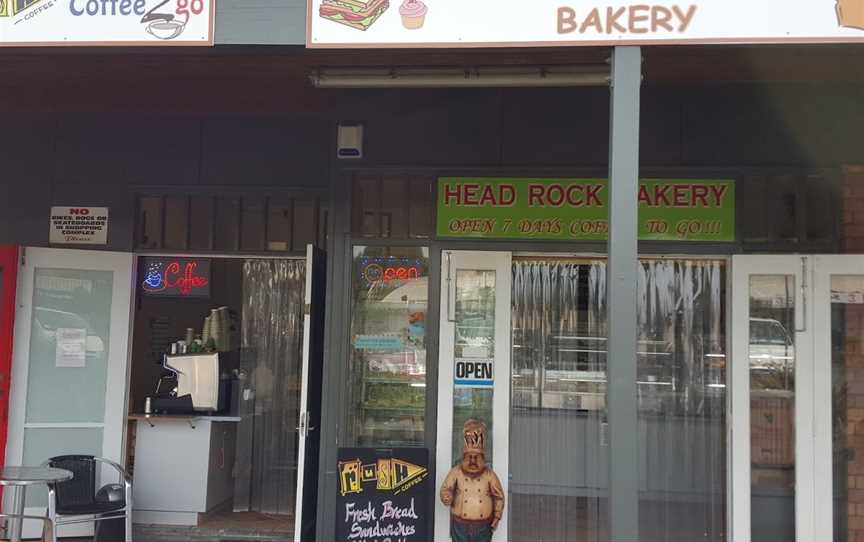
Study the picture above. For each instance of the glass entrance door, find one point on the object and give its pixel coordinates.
(474, 375)
(771, 400)
(838, 326)
(69, 372)
(540, 324)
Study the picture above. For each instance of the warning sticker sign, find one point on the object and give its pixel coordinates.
(79, 225)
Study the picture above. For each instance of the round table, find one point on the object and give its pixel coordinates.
(18, 478)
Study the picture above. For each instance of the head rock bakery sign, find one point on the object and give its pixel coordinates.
(576, 210)
(461, 23)
(106, 22)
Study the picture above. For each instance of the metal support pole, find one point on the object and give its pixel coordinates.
(16, 523)
(621, 295)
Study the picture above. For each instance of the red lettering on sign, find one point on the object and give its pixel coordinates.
(470, 196)
(452, 194)
(535, 195)
(574, 198)
(555, 195)
(508, 195)
(719, 192)
(700, 194)
(592, 194)
(488, 195)
(185, 279)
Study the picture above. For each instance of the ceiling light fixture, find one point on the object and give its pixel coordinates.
(483, 76)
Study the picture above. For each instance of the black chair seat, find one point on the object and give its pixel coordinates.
(90, 508)
(79, 497)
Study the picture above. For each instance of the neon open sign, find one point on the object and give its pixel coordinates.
(176, 277)
(385, 270)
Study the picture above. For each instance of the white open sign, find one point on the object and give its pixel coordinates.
(474, 372)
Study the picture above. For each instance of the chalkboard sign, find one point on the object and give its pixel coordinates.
(382, 495)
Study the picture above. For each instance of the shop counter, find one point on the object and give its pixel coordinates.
(183, 467)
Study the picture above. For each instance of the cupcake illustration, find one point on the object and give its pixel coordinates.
(850, 13)
(413, 14)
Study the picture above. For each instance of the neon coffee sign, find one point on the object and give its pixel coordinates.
(176, 277)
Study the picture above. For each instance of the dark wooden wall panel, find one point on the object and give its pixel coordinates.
(427, 128)
(164, 150)
(26, 169)
(556, 126)
(661, 128)
(105, 160)
(264, 151)
(773, 125)
(92, 149)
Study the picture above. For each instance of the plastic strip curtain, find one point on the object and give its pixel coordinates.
(681, 385)
(557, 457)
(559, 454)
(271, 362)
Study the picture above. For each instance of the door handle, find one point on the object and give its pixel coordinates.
(304, 428)
(451, 294)
(801, 298)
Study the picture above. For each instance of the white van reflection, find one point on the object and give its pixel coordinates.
(48, 321)
(569, 372)
(772, 355)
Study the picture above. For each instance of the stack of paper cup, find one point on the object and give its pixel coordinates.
(225, 329)
(205, 332)
(216, 331)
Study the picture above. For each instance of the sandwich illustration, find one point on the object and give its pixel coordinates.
(359, 14)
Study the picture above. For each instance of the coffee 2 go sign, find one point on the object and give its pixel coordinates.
(106, 22)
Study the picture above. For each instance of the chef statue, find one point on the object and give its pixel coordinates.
(472, 490)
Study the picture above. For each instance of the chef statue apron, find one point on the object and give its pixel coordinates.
(472, 491)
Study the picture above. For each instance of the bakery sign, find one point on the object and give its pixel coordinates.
(106, 22)
(507, 23)
(576, 209)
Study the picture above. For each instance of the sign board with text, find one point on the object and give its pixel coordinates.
(79, 226)
(576, 209)
(474, 372)
(175, 277)
(106, 22)
(382, 494)
(513, 23)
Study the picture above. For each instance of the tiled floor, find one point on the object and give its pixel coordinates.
(246, 526)
(250, 521)
(227, 527)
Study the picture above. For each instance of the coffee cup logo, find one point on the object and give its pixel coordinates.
(850, 13)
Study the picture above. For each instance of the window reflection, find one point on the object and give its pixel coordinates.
(387, 384)
(559, 454)
(772, 407)
(475, 339)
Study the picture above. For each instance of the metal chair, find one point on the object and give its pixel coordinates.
(75, 501)
(47, 528)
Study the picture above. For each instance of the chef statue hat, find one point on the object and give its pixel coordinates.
(474, 433)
